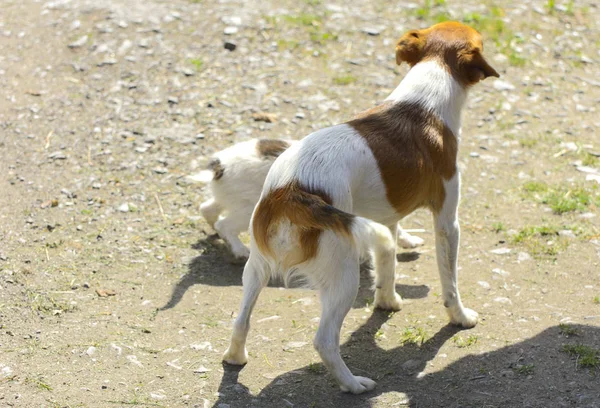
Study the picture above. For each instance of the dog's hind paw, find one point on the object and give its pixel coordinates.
(464, 317)
(393, 304)
(359, 385)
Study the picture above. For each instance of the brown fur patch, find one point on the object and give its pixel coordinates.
(456, 46)
(414, 150)
(311, 211)
(217, 168)
(271, 147)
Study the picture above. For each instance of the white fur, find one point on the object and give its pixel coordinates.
(338, 161)
(234, 195)
(432, 86)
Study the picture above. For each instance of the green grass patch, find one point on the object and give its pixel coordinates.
(304, 19)
(498, 227)
(344, 80)
(197, 63)
(542, 240)
(562, 199)
(414, 335)
(567, 330)
(524, 369)
(461, 342)
(586, 356)
(596, 300)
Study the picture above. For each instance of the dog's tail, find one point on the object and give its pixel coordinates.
(214, 171)
(312, 213)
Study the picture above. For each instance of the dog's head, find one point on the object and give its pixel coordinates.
(456, 46)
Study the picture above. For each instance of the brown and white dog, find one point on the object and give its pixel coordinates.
(341, 190)
(235, 179)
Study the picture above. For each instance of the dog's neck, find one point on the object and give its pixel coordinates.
(433, 87)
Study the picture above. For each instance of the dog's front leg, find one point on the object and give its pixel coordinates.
(447, 236)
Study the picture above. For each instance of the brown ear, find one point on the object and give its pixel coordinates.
(409, 48)
(478, 68)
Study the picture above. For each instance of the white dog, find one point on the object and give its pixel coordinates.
(341, 190)
(236, 178)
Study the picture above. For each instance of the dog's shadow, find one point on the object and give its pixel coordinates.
(215, 266)
(536, 373)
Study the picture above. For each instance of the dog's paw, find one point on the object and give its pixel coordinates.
(409, 241)
(359, 385)
(464, 317)
(235, 357)
(387, 303)
(240, 253)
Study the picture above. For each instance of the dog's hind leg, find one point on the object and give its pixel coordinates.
(210, 211)
(337, 297)
(255, 277)
(383, 247)
(230, 227)
(447, 236)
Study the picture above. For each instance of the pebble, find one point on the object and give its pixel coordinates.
(483, 284)
(567, 234)
(90, 351)
(230, 30)
(201, 370)
(123, 207)
(160, 170)
(501, 85)
(371, 31)
(228, 45)
(523, 256)
(80, 42)
(57, 156)
(133, 359)
(501, 251)
(500, 272)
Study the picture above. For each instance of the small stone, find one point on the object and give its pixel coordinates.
(300, 115)
(483, 284)
(228, 45)
(202, 370)
(501, 85)
(474, 154)
(57, 156)
(173, 100)
(108, 61)
(567, 234)
(124, 207)
(501, 251)
(411, 364)
(500, 272)
(523, 256)
(160, 170)
(188, 72)
(91, 350)
(105, 292)
(80, 42)
(371, 31)
(230, 30)
(264, 117)
(294, 345)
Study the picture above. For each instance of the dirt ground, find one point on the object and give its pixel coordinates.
(114, 292)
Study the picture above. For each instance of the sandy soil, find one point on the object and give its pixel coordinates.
(114, 292)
